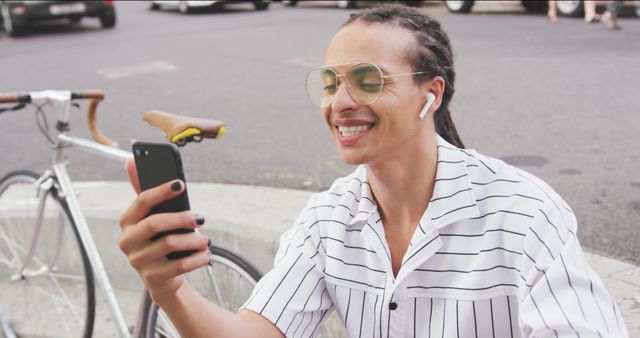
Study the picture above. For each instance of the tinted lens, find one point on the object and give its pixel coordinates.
(321, 86)
(366, 82)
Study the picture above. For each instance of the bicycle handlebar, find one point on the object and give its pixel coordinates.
(94, 96)
(88, 94)
(14, 98)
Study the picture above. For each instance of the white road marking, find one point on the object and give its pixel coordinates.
(306, 62)
(145, 68)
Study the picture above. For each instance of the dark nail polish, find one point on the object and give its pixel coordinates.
(199, 219)
(209, 243)
(176, 186)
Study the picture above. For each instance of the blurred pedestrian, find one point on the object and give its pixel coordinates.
(590, 15)
(610, 17)
(552, 11)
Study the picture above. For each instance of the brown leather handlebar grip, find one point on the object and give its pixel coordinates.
(13, 98)
(94, 96)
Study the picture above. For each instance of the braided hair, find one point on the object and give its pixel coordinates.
(433, 56)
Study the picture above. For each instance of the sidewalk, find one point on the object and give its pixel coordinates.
(250, 219)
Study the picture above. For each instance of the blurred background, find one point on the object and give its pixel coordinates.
(559, 100)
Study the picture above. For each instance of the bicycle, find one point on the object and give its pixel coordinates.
(47, 253)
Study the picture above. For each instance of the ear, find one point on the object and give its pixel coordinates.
(436, 87)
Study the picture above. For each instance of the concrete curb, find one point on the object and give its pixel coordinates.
(250, 220)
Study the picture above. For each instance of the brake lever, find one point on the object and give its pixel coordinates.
(16, 107)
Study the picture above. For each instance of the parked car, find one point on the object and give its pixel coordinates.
(348, 3)
(186, 6)
(16, 16)
(464, 6)
(573, 8)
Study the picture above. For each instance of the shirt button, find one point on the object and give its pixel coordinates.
(393, 306)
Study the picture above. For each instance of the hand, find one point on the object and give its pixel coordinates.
(163, 277)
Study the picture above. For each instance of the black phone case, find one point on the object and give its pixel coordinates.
(158, 163)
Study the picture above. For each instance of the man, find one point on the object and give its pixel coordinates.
(424, 238)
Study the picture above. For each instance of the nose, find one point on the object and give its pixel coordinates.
(343, 99)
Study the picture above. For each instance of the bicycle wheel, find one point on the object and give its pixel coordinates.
(47, 291)
(228, 281)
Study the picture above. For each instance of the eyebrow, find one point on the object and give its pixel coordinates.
(328, 71)
(362, 69)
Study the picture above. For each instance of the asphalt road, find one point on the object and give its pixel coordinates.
(560, 101)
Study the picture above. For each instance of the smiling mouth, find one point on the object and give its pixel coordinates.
(354, 130)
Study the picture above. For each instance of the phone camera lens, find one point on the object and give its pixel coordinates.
(137, 152)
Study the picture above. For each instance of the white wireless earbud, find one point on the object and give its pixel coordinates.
(430, 99)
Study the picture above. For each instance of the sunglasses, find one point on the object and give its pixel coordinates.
(364, 83)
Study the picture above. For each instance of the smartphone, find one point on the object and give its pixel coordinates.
(158, 163)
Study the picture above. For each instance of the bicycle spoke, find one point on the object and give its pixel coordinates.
(72, 307)
(57, 299)
(236, 286)
(67, 276)
(11, 245)
(216, 289)
(64, 322)
(4, 260)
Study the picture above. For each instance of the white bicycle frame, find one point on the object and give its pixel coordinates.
(61, 176)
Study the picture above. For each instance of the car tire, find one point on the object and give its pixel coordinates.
(261, 5)
(572, 8)
(459, 6)
(153, 6)
(10, 27)
(534, 6)
(346, 4)
(412, 3)
(289, 3)
(108, 18)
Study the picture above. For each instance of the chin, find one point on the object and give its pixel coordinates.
(351, 157)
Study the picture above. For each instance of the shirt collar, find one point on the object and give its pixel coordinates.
(452, 200)
(367, 204)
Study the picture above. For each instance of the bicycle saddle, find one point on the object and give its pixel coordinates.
(182, 129)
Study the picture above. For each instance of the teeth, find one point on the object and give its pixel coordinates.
(350, 131)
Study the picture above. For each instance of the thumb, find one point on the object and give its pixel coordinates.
(130, 167)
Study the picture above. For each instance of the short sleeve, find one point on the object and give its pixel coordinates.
(293, 295)
(561, 296)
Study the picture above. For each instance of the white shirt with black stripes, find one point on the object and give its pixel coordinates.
(494, 255)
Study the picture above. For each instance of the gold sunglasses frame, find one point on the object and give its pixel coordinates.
(349, 87)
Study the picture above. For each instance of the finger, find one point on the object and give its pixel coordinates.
(158, 250)
(132, 173)
(135, 236)
(146, 200)
(165, 270)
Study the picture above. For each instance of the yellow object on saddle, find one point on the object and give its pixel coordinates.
(185, 133)
(194, 131)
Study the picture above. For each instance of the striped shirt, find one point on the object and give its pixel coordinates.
(494, 255)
